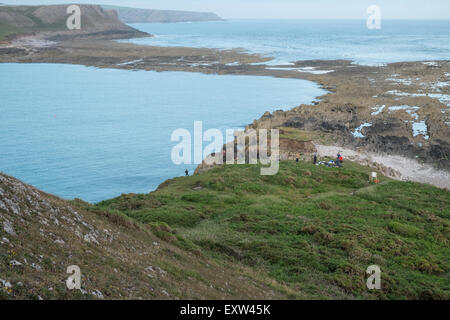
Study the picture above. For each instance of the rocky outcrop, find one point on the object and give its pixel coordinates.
(399, 109)
(289, 149)
(390, 136)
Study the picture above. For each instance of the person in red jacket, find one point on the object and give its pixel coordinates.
(339, 159)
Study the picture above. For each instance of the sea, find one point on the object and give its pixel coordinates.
(291, 40)
(94, 134)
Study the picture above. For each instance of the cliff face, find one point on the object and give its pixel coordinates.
(51, 20)
(134, 15)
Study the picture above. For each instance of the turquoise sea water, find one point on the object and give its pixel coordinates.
(292, 40)
(96, 133)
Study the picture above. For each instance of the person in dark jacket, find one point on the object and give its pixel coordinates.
(315, 157)
(187, 172)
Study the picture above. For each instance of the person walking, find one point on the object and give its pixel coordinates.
(186, 172)
(315, 157)
(297, 157)
(338, 161)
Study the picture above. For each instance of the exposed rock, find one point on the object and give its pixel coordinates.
(15, 263)
(5, 283)
(36, 266)
(7, 226)
(91, 237)
(289, 149)
(98, 294)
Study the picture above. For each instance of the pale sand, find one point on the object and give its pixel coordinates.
(408, 169)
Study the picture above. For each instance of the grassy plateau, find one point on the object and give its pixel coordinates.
(311, 228)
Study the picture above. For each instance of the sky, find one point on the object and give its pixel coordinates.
(284, 9)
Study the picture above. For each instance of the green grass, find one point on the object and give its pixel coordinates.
(314, 228)
(304, 135)
(7, 30)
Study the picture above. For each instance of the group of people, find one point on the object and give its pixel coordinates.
(338, 162)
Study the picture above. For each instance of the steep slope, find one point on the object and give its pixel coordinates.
(135, 15)
(51, 20)
(314, 228)
(308, 232)
(41, 235)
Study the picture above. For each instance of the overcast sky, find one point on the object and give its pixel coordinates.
(285, 9)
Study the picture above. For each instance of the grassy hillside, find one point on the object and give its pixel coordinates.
(16, 20)
(21, 20)
(309, 232)
(41, 235)
(314, 229)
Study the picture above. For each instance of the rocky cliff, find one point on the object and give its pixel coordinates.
(51, 21)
